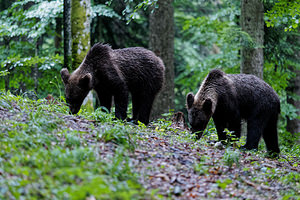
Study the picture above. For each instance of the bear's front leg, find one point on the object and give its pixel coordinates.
(105, 99)
(220, 126)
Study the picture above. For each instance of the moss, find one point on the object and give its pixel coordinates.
(80, 19)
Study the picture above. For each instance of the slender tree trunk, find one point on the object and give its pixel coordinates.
(161, 42)
(6, 81)
(80, 25)
(293, 125)
(58, 36)
(38, 44)
(67, 34)
(35, 68)
(252, 22)
(7, 47)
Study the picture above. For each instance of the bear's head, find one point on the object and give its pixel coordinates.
(76, 88)
(199, 113)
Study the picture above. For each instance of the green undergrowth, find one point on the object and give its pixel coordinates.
(43, 157)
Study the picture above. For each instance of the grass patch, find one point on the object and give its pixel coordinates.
(43, 157)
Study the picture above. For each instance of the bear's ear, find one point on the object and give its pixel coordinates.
(86, 81)
(207, 106)
(64, 73)
(189, 100)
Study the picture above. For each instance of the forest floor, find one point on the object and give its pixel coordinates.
(47, 154)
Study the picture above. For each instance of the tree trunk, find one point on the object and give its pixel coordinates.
(35, 69)
(252, 22)
(293, 126)
(81, 39)
(4, 4)
(7, 49)
(58, 36)
(67, 34)
(80, 25)
(161, 42)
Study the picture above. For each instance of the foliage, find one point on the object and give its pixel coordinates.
(223, 184)
(291, 179)
(200, 167)
(119, 135)
(4, 73)
(284, 12)
(23, 25)
(21, 68)
(104, 10)
(32, 22)
(231, 157)
(37, 17)
(133, 13)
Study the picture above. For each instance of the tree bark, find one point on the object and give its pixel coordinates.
(252, 22)
(58, 36)
(161, 42)
(293, 125)
(80, 25)
(67, 34)
(35, 69)
(7, 77)
(81, 39)
(4, 4)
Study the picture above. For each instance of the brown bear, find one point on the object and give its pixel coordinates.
(228, 98)
(115, 73)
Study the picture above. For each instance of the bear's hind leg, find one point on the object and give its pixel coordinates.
(235, 126)
(254, 132)
(270, 135)
(136, 106)
(145, 108)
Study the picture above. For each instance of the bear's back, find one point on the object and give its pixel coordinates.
(137, 57)
(253, 92)
(140, 67)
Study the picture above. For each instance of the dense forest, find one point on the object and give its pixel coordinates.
(40, 37)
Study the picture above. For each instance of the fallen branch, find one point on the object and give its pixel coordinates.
(256, 185)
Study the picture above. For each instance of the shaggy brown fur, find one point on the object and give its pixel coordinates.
(115, 73)
(228, 98)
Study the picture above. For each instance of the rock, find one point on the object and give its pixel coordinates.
(177, 190)
(219, 146)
